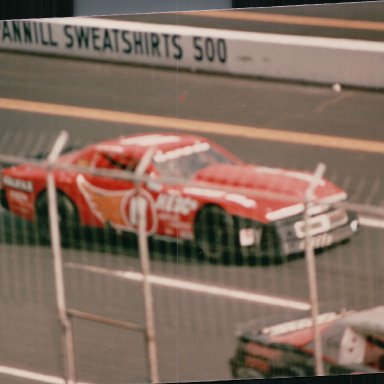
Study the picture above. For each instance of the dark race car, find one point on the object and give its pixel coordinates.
(352, 342)
(211, 202)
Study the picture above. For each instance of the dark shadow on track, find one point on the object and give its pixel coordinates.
(14, 230)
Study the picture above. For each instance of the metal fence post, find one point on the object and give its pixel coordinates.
(148, 299)
(145, 266)
(68, 344)
(311, 268)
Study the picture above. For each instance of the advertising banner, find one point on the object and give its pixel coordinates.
(288, 57)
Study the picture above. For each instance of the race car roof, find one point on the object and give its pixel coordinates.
(141, 143)
(366, 322)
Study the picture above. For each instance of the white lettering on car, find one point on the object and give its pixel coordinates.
(22, 185)
(176, 204)
(204, 192)
(18, 196)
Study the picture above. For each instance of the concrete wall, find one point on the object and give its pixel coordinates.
(302, 58)
(102, 7)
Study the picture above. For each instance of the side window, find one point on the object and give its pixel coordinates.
(111, 160)
(85, 159)
(100, 161)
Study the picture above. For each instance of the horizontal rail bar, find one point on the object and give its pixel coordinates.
(105, 320)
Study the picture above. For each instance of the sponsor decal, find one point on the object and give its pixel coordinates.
(249, 236)
(18, 196)
(208, 49)
(22, 185)
(27, 32)
(176, 204)
(119, 208)
(204, 192)
(123, 41)
(319, 241)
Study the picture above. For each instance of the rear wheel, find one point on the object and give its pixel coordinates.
(215, 234)
(67, 217)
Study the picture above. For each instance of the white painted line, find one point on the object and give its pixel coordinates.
(369, 222)
(34, 376)
(198, 287)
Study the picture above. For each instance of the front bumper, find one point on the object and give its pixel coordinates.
(322, 240)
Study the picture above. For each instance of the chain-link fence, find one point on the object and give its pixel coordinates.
(138, 259)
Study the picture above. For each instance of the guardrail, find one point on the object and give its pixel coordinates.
(307, 59)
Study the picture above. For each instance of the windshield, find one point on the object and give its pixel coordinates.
(186, 161)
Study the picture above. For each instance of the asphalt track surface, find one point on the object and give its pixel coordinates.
(351, 21)
(195, 328)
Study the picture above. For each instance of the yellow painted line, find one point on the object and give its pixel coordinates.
(291, 19)
(201, 127)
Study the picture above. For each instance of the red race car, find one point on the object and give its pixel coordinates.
(194, 190)
(352, 342)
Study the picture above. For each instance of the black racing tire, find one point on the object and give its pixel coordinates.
(271, 246)
(68, 219)
(3, 199)
(215, 234)
(288, 372)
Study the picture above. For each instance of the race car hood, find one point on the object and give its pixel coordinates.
(282, 188)
(279, 181)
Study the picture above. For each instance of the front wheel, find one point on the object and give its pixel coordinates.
(288, 372)
(67, 217)
(271, 246)
(215, 234)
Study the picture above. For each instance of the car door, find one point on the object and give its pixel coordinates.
(109, 190)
